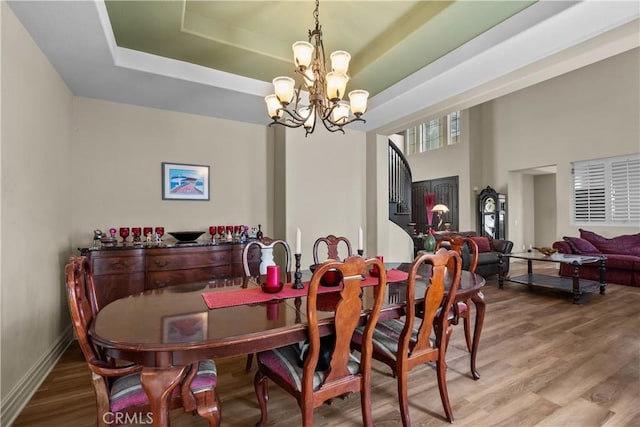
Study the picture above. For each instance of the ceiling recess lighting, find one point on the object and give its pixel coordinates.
(326, 88)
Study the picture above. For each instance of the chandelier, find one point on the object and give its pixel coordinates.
(325, 89)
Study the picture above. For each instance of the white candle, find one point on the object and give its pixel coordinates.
(360, 240)
(298, 242)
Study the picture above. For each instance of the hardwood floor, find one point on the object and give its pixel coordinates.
(543, 361)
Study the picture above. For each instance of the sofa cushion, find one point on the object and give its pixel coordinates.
(622, 262)
(628, 244)
(488, 258)
(581, 246)
(483, 243)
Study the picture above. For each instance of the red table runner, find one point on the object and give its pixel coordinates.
(255, 295)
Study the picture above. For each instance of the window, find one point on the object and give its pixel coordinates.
(607, 191)
(433, 134)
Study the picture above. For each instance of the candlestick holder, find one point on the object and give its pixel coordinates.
(360, 252)
(297, 283)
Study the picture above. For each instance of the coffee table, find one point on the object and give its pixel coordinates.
(570, 284)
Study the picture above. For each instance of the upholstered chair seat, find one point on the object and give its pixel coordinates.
(284, 361)
(127, 392)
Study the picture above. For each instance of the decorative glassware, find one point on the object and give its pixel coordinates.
(147, 233)
(137, 232)
(221, 232)
(212, 231)
(430, 241)
(124, 233)
(159, 233)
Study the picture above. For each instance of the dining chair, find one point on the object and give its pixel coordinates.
(405, 343)
(118, 388)
(268, 256)
(464, 246)
(303, 377)
(335, 246)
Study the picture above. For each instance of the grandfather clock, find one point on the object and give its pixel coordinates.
(492, 213)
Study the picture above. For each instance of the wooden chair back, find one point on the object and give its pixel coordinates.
(272, 252)
(444, 264)
(335, 245)
(81, 306)
(457, 244)
(347, 311)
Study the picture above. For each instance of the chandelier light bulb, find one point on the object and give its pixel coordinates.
(340, 113)
(336, 85)
(284, 88)
(308, 116)
(340, 61)
(358, 100)
(302, 54)
(274, 108)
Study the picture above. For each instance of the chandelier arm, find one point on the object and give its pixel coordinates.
(331, 126)
(289, 124)
(293, 116)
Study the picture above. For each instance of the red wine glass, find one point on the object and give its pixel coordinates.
(220, 232)
(147, 231)
(212, 231)
(136, 231)
(159, 232)
(124, 233)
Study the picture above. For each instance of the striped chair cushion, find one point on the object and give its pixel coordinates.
(386, 335)
(127, 391)
(283, 362)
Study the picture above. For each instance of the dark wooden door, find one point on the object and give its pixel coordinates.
(446, 193)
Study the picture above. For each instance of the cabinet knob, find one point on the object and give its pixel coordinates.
(162, 263)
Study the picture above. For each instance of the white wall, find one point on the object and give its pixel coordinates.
(589, 113)
(117, 154)
(325, 186)
(36, 211)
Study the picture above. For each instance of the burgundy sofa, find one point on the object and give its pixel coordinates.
(622, 252)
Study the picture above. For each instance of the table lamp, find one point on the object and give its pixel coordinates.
(440, 209)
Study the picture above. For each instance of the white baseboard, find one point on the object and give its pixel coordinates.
(21, 393)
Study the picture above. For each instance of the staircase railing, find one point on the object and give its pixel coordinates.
(399, 188)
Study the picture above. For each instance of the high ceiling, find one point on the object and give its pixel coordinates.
(388, 40)
(416, 58)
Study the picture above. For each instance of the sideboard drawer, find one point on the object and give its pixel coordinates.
(117, 265)
(188, 260)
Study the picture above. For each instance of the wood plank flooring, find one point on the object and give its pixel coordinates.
(543, 361)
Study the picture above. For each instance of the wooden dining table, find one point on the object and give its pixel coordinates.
(168, 329)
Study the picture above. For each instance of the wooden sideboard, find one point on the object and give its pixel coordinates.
(125, 270)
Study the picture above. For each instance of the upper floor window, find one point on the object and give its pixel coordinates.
(433, 134)
(607, 191)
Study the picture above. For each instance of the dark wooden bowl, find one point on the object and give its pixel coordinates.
(186, 236)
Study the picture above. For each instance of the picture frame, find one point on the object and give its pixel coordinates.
(190, 327)
(182, 181)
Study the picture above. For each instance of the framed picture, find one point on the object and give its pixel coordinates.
(184, 328)
(185, 182)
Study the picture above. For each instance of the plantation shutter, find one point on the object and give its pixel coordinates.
(625, 190)
(589, 192)
(607, 191)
